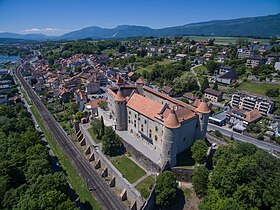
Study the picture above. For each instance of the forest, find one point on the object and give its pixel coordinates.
(243, 177)
(27, 177)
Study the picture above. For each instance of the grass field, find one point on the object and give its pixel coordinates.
(86, 198)
(259, 88)
(201, 70)
(93, 135)
(144, 187)
(127, 168)
(149, 68)
(225, 40)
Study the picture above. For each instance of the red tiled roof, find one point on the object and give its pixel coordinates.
(145, 106)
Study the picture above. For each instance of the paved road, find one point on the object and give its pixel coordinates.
(239, 137)
(101, 190)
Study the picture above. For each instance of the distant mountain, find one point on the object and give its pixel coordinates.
(118, 32)
(24, 36)
(264, 26)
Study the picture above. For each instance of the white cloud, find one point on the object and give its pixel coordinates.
(47, 31)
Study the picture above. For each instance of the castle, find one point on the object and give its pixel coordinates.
(166, 125)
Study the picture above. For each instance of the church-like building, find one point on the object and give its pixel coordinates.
(166, 125)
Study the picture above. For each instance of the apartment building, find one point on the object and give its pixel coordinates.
(244, 53)
(250, 101)
(255, 61)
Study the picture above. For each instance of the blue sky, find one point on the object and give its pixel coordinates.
(54, 17)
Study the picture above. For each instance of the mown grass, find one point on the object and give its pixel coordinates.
(149, 68)
(127, 168)
(259, 88)
(86, 198)
(145, 186)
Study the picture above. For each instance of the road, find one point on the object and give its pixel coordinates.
(101, 191)
(239, 137)
(192, 70)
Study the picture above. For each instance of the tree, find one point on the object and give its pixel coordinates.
(185, 83)
(273, 40)
(273, 92)
(79, 116)
(102, 126)
(165, 189)
(212, 66)
(200, 180)
(36, 168)
(242, 41)
(102, 104)
(204, 84)
(111, 144)
(97, 128)
(215, 87)
(199, 151)
(122, 49)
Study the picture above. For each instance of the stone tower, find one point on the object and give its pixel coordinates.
(169, 141)
(139, 85)
(121, 111)
(203, 112)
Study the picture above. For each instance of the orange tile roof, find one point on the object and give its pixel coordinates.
(252, 115)
(168, 98)
(144, 106)
(140, 81)
(51, 80)
(203, 108)
(172, 120)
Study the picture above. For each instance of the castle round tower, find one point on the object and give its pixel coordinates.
(203, 112)
(121, 111)
(169, 141)
(139, 85)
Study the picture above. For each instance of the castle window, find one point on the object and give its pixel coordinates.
(145, 121)
(138, 118)
(156, 138)
(156, 129)
(128, 121)
(129, 112)
(131, 131)
(135, 116)
(169, 152)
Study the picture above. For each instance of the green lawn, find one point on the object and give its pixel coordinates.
(93, 135)
(145, 186)
(149, 68)
(127, 168)
(201, 70)
(259, 88)
(86, 198)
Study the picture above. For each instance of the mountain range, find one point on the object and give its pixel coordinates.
(263, 26)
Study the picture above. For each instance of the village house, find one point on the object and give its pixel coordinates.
(241, 119)
(213, 95)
